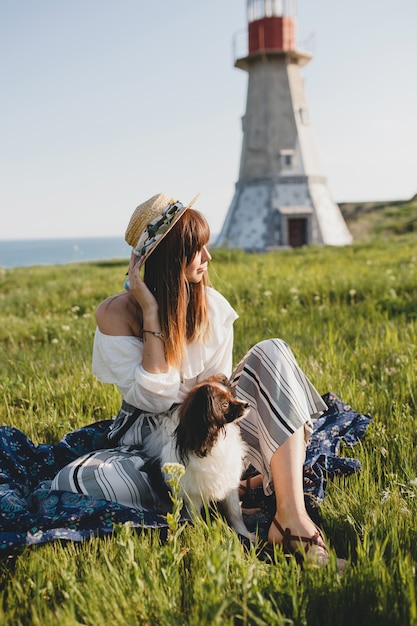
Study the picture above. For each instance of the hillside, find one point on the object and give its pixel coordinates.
(368, 219)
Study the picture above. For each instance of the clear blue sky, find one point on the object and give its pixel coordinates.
(106, 102)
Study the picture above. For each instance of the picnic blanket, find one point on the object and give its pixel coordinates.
(31, 513)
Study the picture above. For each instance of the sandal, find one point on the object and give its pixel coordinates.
(244, 487)
(249, 484)
(300, 552)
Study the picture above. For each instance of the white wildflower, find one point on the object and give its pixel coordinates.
(175, 470)
(385, 496)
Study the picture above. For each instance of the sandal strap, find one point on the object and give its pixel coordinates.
(245, 487)
(287, 537)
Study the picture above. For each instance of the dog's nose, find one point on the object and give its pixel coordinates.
(246, 405)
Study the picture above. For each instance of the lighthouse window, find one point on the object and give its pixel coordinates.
(287, 158)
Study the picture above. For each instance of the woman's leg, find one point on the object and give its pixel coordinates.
(125, 472)
(118, 475)
(287, 474)
(283, 402)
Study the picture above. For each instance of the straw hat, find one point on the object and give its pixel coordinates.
(151, 221)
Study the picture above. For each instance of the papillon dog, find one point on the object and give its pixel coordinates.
(207, 442)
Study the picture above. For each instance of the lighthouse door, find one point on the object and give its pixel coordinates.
(297, 232)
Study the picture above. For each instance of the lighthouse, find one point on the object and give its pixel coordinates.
(281, 197)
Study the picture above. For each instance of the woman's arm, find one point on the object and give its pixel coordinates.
(154, 358)
(120, 356)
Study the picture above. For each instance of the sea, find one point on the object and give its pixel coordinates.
(28, 252)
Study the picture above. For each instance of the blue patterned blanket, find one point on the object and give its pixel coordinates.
(31, 513)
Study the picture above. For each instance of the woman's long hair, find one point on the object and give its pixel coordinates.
(183, 306)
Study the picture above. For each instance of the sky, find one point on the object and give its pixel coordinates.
(106, 102)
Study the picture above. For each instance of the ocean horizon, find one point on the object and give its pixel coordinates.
(29, 252)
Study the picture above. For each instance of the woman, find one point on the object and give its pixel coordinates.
(166, 332)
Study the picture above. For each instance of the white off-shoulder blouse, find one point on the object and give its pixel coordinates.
(118, 360)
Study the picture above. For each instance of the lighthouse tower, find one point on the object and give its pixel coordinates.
(281, 198)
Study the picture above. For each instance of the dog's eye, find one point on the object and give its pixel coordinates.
(225, 404)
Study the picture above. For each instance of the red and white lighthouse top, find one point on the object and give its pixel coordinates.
(271, 25)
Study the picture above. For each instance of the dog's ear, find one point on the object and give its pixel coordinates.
(198, 422)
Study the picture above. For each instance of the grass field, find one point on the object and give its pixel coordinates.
(350, 316)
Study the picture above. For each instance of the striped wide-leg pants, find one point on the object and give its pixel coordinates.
(281, 400)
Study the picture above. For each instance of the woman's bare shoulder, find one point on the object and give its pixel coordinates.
(117, 315)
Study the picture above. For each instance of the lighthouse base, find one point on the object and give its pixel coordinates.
(291, 212)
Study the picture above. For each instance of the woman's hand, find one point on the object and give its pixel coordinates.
(139, 290)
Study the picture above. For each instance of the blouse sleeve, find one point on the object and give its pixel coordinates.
(117, 360)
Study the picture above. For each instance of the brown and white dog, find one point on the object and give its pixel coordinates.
(207, 442)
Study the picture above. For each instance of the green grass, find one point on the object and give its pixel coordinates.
(367, 219)
(350, 316)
